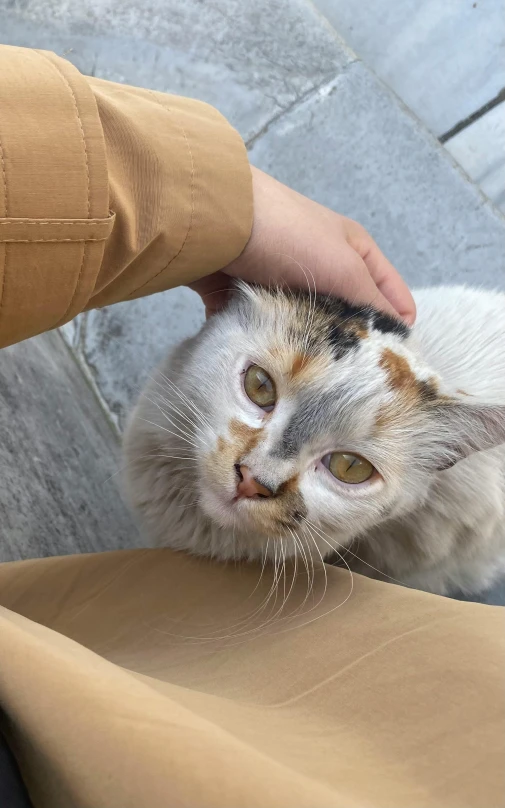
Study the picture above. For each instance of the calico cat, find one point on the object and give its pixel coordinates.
(299, 418)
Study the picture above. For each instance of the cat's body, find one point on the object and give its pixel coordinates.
(424, 410)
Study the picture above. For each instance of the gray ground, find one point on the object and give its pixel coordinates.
(313, 115)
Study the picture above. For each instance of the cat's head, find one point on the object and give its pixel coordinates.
(304, 410)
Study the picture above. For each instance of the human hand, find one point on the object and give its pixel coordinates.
(298, 243)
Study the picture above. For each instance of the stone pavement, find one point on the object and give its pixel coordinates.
(446, 60)
(57, 457)
(313, 114)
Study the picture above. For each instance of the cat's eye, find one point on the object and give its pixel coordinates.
(349, 468)
(260, 387)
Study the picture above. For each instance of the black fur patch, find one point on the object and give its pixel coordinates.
(389, 325)
(339, 322)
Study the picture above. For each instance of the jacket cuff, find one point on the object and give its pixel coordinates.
(54, 199)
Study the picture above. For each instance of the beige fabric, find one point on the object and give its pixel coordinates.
(121, 693)
(107, 192)
(148, 679)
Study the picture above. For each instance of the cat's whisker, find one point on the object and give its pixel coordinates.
(324, 614)
(168, 416)
(304, 540)
(182, 432)
(256, 612)
(312, 309)
(189, 402)
(251, 615)
(277, 614)
(274, 616)
(295, 565)
(319, 532)
(188, 505)
(135, 460)
(278, 568)
(265, 554)
(164, 429)
(178, 457)
(312, 297)
(319, 554)
(354, 555)
(147, 394)
(173, 408)
(313, 575)
(310, 580)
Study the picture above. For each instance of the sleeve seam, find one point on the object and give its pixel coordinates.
(191, 217)
(79, 122)
(49, 240)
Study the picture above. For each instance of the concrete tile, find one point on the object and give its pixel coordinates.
(353, 147)
(57, 455)
(480, 149)
(250, 60)
(444, 58)
(122, 344)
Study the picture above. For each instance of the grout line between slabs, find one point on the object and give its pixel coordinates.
(313, 91)
(479, 113)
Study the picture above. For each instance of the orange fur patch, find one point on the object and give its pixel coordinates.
(245, 435)
(290, 486)
(304, 368)
(398, 370)
(411, 391)
(299, 362)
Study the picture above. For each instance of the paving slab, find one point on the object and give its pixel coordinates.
(122, 344)
(250, 60)
(444, 58)
(353, 147)
(57, 454)
(480, 148)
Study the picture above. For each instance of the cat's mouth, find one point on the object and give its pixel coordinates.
(256, 510)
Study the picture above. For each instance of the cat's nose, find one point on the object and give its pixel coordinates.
(248, 486)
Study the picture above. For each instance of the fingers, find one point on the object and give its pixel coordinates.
(387, 279)
(391, 284)
(214, 290)
(343, 274)
(358, 286)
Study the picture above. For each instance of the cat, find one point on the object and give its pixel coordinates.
(299, 419)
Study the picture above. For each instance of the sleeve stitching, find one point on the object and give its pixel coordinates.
(191, 217)
(78, 117)
(84, 248)
(6, 205)
(67, 222)
(49, 240)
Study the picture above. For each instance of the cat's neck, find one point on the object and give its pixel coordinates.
(449, 542)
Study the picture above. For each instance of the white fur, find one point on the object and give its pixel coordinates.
(441, 531)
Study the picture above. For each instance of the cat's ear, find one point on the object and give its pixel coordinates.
(464, 427)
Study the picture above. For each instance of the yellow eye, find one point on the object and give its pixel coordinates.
(350, 468)
(259, 387)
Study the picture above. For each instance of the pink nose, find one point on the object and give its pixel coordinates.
(248, 487)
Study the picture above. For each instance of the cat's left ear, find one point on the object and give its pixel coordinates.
(464, 427)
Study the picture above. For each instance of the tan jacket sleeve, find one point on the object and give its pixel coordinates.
(107, 192)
